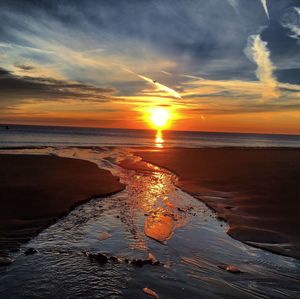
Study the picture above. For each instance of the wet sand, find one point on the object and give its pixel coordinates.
(193, 260)
(257, 191)
(35, 190)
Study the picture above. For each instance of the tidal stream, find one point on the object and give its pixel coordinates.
(195, 245)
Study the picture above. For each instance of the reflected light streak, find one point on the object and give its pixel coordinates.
(159, 139)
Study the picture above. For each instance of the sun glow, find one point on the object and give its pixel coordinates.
(159, 117)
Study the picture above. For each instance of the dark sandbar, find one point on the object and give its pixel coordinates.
(35, 190)
(257, 191)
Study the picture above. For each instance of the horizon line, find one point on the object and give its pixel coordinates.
(170, 130)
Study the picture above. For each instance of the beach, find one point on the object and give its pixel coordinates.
(61, 210)
(35, 190)
(256, 191)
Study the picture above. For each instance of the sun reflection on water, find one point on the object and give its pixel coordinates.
(159, 139)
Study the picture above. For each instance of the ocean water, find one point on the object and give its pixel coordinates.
(33, 136)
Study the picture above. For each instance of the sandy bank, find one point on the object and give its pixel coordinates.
(35, 190)
(256, 190)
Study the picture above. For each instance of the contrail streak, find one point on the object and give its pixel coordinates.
(162, 87)
(158, 86)
(192, 77)
(265, 6)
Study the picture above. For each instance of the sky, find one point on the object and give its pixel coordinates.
(216, 65)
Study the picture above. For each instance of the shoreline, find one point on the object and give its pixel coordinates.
(32, 199)
(233, 199)
(248, 209)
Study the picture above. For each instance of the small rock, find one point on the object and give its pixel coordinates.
(103, 236)
(114, 259)
(137, 263)
(150, 293)
(147, 262)
(5, 260)
(85, 253)
(230, 268)
(126, 261)
(151, 257)
(156, 263)
(99, 257)
(30, 251)
(233, 269)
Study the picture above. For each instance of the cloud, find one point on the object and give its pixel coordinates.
(14, 88)
(234, 4)
(291, 20)
(265, 6)
(230, 97)
(68, 39)
(238, 108)
(24, 67)
(258, 51)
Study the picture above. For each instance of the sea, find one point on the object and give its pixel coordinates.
(35, 136)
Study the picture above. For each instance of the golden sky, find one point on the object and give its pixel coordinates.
(211, 66)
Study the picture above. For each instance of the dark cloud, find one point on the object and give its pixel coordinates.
(4, 73)
(14, 87)
(24, 67)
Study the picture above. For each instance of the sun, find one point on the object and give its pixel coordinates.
(159, 117)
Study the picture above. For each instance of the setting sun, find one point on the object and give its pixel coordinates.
(160, 117)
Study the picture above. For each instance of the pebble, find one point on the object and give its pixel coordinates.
(103, 236)
(233, 269)
(150, 293)
(137, 263)
(114, 259)
(103, 259)
(5, 260)
(30, 251)
(230, 268)
(99, 257)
